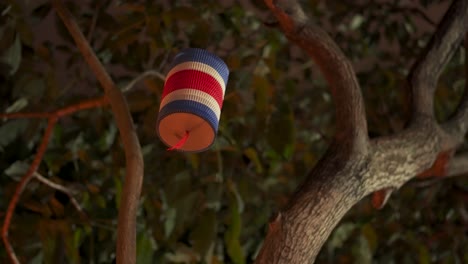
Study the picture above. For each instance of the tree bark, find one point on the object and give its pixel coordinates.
(126, 226)
(353, 166)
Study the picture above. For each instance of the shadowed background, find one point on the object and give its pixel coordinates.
(277, 120)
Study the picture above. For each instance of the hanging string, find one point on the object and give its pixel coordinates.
(181, 142)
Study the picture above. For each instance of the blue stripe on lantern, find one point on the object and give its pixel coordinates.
(188, 106)
(203, 56)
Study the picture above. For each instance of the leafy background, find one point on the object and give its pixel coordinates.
(277, 120)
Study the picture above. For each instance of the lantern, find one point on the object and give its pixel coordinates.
(192, 99)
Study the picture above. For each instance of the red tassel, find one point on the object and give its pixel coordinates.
(181, 142)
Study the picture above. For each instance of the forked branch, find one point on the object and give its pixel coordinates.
(22, 184)
(52, 118)
(340, 180)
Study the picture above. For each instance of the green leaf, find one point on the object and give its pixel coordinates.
(232, 235)
(145, 248)
(213, 196)
(251, 153)
(57, 239)
(362, 251)
(261, 87)
(12, 56)
(194, 161)
(17, 169)
(17, 105)
(369, 233)
(203, 237)
(186, 207)
(118, 191)
(169, 222)
(281, 133)
(108, 138)
(183, 254)
(38, 259)
(356, 22)
(32, 88)
(340, 235)
(424, 257)
(10, 130)
(179, 185)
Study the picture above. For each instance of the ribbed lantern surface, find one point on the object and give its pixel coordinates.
(192, 100)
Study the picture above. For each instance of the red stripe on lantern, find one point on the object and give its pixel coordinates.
(194, 80)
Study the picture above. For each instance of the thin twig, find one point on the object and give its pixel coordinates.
(24, 115)
(64, 190)
(418, 12)
(67, 110)
(31, 172)
(74, 202)
(22, 184)
(83, 105)
(163, 61)
(94, 20)
(141, 77)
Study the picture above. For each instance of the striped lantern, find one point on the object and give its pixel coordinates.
(192, 100)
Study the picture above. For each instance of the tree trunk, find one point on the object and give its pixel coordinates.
(354, 167)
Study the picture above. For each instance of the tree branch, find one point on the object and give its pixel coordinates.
(24, 115)
(457, 125)
(22, 184)
(140, 77)
(444, 43)
(458, 165)
(126, 237)
(67, 110)
(64, 190)
(52, 120)
(351, 124)
(340, 180)
(83, 105)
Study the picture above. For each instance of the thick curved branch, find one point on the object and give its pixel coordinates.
(351, 124)
(443, 44)
(126, 237)
(340, 180)
(452, 135)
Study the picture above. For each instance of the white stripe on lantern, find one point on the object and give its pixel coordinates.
(198, 66)
(193, 95)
